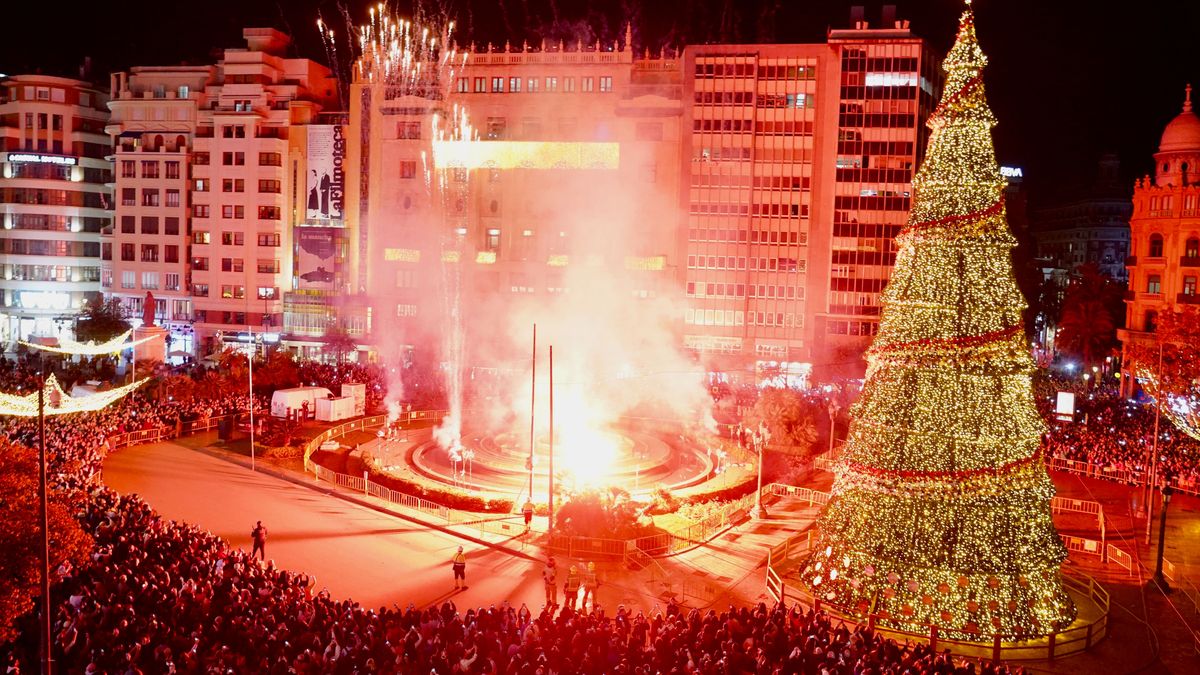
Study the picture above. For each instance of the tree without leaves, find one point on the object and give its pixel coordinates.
(20, 530)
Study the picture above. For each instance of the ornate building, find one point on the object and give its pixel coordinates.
(1164, 263)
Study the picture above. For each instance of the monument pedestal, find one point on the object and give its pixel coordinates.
(153, 350)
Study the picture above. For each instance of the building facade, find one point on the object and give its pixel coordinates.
(1091, 228)
(799, 162)
(570, 190)
(1164, 262)
(209, 163)
(55, 199)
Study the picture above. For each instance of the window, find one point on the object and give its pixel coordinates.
(587, 84)
(233, 185)
(149, 253)
(149, 224)
(1154, 284)
(1189, 285)
(269, 186)
(128, 279)
(171, 226)
(268, 239)
(233, 211)
(461, 86)
(234, 158)
(495, 128)
(128, 196)
(232, 265)
(128, 224)
(408, 168)
(1191, 248)
(232, 238)
(171, 281)
(551, 84)
(497, 84)
(127, 252)
(200, 158)
(233, 131)
(172, 169)
(199, 210)
(268, 266)
(493, 239)
(201, 237)
(149, 196)
(269, 159)
(409, 130)
(480, 85)
(531, 85)
(514, 85)
(606, 83)
(200, 264)
(171, 253)
(201, 185)
(173, 198)
(128, 168)
(150, 280)
(269, 212)
(200, 291)
(233, 291)
(267, 292)
(568, 84)
(1156, 246)
(1151, 324)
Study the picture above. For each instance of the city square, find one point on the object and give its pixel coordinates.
(599, 338)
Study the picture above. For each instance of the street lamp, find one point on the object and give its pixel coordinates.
(759, 437)
(1162, 535)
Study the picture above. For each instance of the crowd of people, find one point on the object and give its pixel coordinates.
(159, 596)
(1115, 435)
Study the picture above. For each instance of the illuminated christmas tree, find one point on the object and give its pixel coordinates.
(941, 503)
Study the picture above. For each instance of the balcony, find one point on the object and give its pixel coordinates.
(1187, 299)
(1189, 261)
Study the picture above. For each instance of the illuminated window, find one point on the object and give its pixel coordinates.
(605, 84)
(568, 84)
(1189, 285)
(492, 243)
(514, 85)
(480, 85)
(1191, 249)
(551, 84)
(461, 85)
(497, 85)
(587, 84)
(1154, 284)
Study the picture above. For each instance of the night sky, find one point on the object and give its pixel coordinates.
(1068, 79)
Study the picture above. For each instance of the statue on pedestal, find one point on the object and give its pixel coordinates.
(148, 310)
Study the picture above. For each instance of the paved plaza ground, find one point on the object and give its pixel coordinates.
(362, 549)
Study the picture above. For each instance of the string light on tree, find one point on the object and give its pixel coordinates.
(941, 504)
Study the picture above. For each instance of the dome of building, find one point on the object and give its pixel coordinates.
(1183, 133)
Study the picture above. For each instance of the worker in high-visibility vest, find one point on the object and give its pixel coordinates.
(527, 511)
(571, 587)
(459, 564)
(590, 584)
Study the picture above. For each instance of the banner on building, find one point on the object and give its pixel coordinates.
(317, 260)
(326, 180)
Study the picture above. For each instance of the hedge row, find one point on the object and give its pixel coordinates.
(449, 497)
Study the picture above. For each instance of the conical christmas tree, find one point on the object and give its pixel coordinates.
(941, 502)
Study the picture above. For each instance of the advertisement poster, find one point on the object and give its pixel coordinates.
(316, 258)
(326, 181)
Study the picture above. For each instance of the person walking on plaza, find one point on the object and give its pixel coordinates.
(459, 565)
(550, 576)
(527, 511)
(259, 535)
(571, 587)
(590, 584)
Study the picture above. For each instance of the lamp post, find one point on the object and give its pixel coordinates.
(1154, 447)
(759, 437)
(1162, 537)
(44, 506)
(250, 365)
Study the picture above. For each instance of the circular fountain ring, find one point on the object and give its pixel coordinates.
(648, 458)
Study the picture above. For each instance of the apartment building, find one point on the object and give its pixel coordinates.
(209, 187)
(799, 162)
(55, 198)
(1164, 260)
(1088, 227)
